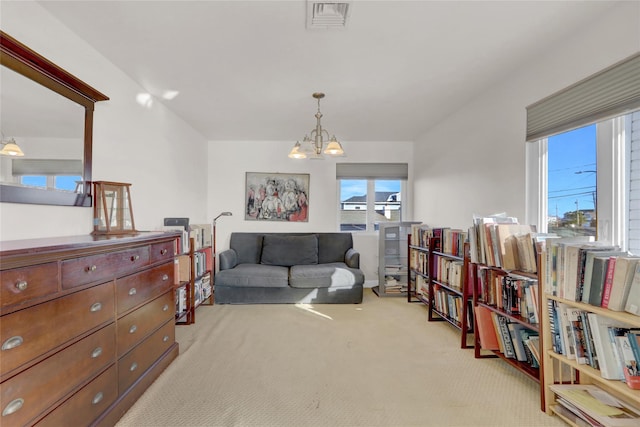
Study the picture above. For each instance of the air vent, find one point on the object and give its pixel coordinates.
(325, 15)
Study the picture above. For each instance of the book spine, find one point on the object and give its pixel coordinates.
(608, 282)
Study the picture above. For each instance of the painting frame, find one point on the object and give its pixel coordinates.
(275, 196)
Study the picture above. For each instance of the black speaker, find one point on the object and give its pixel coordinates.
(183, 222)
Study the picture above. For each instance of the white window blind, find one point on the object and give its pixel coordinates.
(606, 94)
(46, 167)
(372, 170)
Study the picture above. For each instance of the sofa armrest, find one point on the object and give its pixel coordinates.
(228, 259)
(352, 258)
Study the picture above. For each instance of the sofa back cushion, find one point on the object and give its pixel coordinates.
(333, 246)
(289, 250)
(248, 247)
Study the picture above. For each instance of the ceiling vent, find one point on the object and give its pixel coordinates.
(325, 15)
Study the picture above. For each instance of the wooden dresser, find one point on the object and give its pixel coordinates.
(87, 324)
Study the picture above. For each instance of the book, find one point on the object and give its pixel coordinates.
(634, 342)
(588, 339)
(598, 277)
(589, 256)
(598, 404)
(505, 336)
(486, 330)
(516, 339)
(566, 331)
(621, 284)
(608, 281)
(609, 366)
(574, 316)
(633, 299)
(622, 349)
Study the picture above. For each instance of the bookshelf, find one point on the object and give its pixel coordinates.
(438, 276)
(449, 296)
(504, 294)
(194, 284)
(559, 368)
(393, 268)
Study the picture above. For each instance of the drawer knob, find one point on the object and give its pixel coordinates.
(13, 406)
(135, 258)
(133, 367)
(165, 277)
(12, 342)
(132, 329)
(91, 268)
(165, 338)
(165, 308)
(21, 285)
(132, 291)
(97, 398)
(163, 252)
(96, 306)
(96, 352)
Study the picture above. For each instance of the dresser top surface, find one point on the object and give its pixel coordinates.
(69, 243)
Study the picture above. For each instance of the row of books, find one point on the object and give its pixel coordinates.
(449, 305)
(511, 293)
(201, 234)
(500, 241)
(419, 261)
(593, 273)
(420, 235)
(421, 285)
(447, 240)
(513, 340)
(605, 344)
(448, 271)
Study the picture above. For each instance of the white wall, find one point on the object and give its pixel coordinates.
(474, 161)
(159, 154)
(230, 160)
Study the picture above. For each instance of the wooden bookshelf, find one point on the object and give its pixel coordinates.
(198, 289)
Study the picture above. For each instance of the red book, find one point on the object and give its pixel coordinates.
(486, 330)
(608, 282)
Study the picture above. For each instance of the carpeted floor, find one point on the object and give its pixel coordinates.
(379, 363)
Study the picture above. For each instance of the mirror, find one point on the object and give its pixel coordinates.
(49, 113)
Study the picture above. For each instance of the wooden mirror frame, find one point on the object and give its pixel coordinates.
(21, 59)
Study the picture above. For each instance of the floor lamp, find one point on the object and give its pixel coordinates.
(215, 253)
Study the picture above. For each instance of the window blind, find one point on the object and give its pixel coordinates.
(372, 170)
(606, 94)
(46, 167)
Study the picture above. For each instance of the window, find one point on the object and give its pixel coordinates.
(571, 194)
(369, 194)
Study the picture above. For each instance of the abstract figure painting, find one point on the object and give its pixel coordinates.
(277, 197)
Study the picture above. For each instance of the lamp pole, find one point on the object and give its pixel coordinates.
(215, 254)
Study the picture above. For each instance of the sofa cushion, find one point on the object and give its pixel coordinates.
(248, 246)
(254, 275)
(335, 274)
(333, 246)
(289, 250)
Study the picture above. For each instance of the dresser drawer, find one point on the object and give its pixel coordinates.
(84, 406)
(135, 326)
(22, 284)
(137, 288)
(32, 391)
(136, 362)
(29, 333)
(163, 251)
(80, 271)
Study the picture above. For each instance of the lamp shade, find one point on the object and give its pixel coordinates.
(334, 148)
(11, 148)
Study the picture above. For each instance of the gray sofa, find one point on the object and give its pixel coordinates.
(289, 268)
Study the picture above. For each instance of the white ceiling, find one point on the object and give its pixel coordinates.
(245, 70)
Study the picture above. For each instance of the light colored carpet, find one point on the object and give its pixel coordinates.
(379, 363)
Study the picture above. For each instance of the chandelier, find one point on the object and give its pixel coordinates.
(311, 147)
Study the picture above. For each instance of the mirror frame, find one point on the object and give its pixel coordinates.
(21, 59)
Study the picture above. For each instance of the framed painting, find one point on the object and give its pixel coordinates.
(277, 197)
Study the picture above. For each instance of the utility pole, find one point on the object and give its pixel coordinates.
(577, 214)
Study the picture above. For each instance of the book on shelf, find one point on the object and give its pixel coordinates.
(505, 337)
(622, 349)
(594, 403)
(486, 328)
(516, 339)
(588, 269)
(608, 361)
(566, 329)
(633, 299)
(608, 282)
(624, 272)
(183, 268)
(578, 335)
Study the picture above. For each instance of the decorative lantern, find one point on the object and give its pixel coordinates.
(112, 211)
